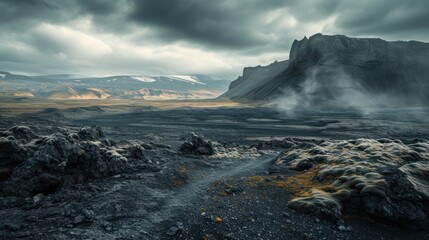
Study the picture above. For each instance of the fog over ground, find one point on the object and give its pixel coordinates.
(216, 38)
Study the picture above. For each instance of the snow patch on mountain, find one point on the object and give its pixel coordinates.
(186, 78)
(143, 79)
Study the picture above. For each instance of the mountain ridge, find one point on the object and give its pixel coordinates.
(324, 69)
(146, 87)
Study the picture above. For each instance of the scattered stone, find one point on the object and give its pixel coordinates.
(303, 165)
(234, 189)
(197, 145)
(286, 214)
(176, 229)
(22, 132)
(90, 133)
(345, 228)
(89, 214)
(280, 177)
(38, 197)
(217, 220)
(136, 151)
(79, 219)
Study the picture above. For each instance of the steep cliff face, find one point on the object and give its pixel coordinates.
(341, 70)
(245, 87)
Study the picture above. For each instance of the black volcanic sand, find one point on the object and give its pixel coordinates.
(240, 124)
(179, 196)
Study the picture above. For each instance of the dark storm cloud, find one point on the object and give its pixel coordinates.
(165, 34)
(392, 18)
(98, 7)
(16, 11)
(212, 22)
(234, 24)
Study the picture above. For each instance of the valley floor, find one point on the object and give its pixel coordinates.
(242, 191)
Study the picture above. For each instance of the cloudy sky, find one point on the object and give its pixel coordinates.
(212, 37)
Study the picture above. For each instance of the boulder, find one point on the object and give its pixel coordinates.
(197, 145)
(135, 151)
(91, 133)
(22, 132)
(12, 153)
(59, 159)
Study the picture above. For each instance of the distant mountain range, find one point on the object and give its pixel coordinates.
(341, 71)
(66, 86)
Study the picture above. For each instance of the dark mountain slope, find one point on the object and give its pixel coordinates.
(333, 70)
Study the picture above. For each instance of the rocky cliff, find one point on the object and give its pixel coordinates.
(335, 70)
(254, 78)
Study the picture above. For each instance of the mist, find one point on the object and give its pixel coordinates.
(327, 89)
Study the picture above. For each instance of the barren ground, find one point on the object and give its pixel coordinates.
(232, 194)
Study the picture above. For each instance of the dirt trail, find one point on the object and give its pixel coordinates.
(201, 180)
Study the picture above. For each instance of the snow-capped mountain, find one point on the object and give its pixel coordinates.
(66, 86)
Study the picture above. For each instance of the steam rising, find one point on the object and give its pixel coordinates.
(332, 89)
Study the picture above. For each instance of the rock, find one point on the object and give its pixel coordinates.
(12, 153)
(90, 133)
(160, 145)
(136, 151)
(43, 172)
(234, 189)
(386, 186)
(280, 177)
(174, 230)
(89, 214)
(286, 214)
(147, 146)
(197, 145)
(254, 78)
(345, 228)
(303, 165)
(79, 219)
(58, 160)
(367, 67)
(37, 198)
(22, 132)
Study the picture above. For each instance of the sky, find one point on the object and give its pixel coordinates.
(208, 37)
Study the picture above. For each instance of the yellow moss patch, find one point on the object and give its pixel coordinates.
(301, 183)
(254, 180)
(218, 220)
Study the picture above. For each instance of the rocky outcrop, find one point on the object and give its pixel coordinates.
(254, 78)
(42, 164)
(338, 70)
(384, 178)
(197, 145)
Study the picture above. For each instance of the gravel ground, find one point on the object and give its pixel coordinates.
(227, 195)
